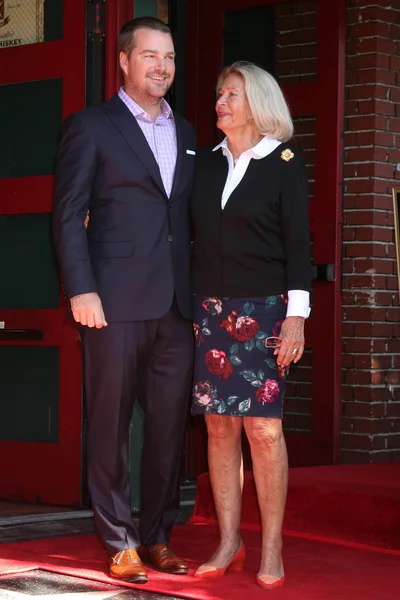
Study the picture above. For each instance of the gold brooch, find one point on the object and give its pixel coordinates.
(287, 155)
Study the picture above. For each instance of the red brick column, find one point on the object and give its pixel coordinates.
(371, 313)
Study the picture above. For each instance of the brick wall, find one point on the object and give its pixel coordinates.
(295, 57)
(371, 316)
(299, 389)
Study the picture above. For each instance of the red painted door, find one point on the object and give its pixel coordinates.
(40, 358)
(302, 44)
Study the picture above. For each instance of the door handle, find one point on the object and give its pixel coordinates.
(323, 272)
(10, 335)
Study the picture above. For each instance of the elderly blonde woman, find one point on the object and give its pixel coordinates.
(251, 284)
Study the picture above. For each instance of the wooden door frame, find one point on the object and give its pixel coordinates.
(323, 98)
(117, 13)
(48, 465)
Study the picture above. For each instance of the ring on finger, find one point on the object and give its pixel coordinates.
(295, 351)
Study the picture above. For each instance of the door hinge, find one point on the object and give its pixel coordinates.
(95, 52)
(96, 17)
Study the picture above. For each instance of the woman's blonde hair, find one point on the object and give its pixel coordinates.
(267, 103)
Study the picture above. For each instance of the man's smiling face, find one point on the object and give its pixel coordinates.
(150, 69)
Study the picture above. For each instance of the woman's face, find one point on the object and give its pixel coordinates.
(232, 107)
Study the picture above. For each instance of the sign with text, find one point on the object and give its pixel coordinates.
(21, 22)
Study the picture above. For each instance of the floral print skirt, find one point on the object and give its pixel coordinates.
(235, 374)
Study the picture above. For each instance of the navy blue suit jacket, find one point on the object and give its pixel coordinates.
(135, 252)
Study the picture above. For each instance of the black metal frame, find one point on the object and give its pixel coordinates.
(95, 52)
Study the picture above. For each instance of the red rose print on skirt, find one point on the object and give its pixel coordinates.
(197, 333)
(212, 305)
(246, 328)
(242, 328)
(283, 372)
(268, 392)
(277, 329)
(218, 364)
(204, 392)
(229, 323)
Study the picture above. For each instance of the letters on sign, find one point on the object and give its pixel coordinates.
(21, 22)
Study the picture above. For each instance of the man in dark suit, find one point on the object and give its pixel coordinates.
(130, 163)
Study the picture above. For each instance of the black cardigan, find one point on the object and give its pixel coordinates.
(259, 244)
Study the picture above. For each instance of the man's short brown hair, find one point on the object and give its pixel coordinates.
(126, 37)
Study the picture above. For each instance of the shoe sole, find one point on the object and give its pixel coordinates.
(180, 572)
(130, 579)
(270, 586)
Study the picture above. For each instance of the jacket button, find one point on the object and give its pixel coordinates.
(170, 204)
(170, 238)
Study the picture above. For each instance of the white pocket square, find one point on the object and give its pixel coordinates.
(190, 152)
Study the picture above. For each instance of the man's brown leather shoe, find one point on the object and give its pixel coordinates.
(128, 566)
(161, 558)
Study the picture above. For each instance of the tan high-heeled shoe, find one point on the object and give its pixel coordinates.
(235, 564)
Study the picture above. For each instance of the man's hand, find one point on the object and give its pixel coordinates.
(88, 310)
(292, 347)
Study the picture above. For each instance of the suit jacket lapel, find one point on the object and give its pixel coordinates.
(126, 123)
(180, 153)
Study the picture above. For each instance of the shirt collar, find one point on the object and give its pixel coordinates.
(260, 150)
(139, 113)
(223, 144)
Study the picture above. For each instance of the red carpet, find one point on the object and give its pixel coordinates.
(342, 541)
(314, 570)
(355, 503)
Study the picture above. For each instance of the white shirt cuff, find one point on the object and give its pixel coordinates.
(298, 304)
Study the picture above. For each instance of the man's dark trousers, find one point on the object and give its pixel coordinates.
(151, 360)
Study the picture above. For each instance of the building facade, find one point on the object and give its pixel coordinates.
(338, 63)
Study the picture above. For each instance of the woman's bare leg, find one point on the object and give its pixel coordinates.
(270, 468)
(225, 465)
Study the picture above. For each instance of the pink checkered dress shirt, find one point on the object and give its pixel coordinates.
(160, 135)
